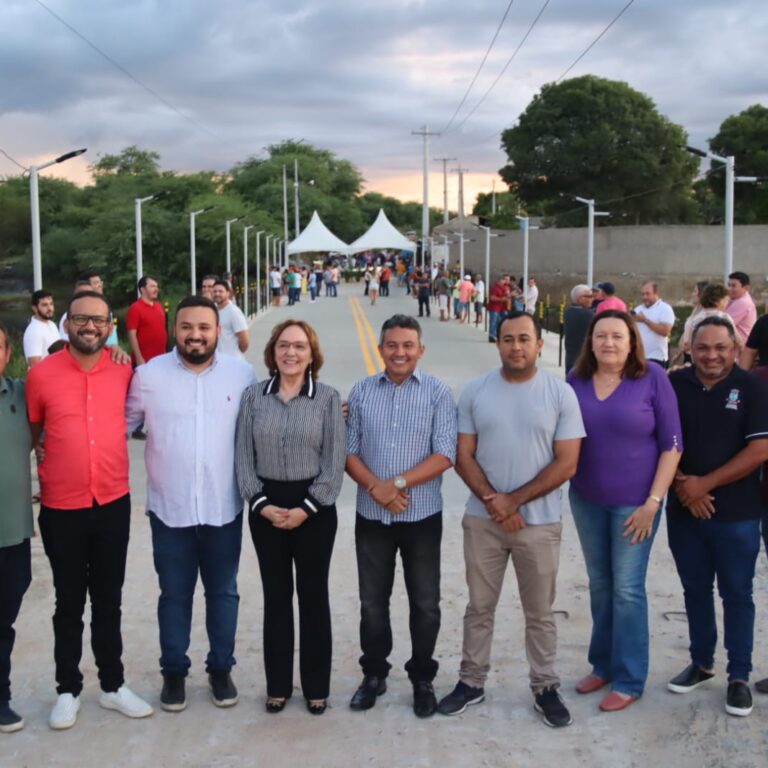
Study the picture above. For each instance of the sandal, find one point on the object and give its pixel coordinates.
(317, 706)
(275, 704)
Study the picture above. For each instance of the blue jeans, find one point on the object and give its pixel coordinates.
(618, 649)
(702, 550)
(179, 554)
(494, 320)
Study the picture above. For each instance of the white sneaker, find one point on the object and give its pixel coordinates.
(64, 712)
(125, 701)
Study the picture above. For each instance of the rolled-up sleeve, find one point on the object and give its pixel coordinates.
(444, 424)
(248, 482)
(354, 421)
(327, 485)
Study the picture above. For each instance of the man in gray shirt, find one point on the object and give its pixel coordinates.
(520, 432)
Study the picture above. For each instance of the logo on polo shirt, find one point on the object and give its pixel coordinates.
(732, 402)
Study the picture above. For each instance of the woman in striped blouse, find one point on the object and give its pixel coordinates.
(290, 454)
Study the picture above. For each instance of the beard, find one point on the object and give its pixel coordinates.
(84, 345)
(198, 355)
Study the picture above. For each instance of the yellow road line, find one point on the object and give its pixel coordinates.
(370, 367)
(371, 335)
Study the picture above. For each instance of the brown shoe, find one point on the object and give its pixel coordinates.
(615, 701)
(590, 684)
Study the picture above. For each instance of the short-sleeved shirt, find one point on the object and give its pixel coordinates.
(149, 322)
(465, 291)
(232, 322)
(38, 336)
(517, 425)
(612, 302)
(444, 286)
(576, 320)
(717, 424)
(758, 339)
(424, 285)
(275, 279)
(499, 298)
(83, 414)
(656, 346)
(480, 291)
(626, 433)
(744, 314)
(15, 471)
(392, 428)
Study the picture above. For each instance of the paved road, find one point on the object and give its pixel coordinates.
(662, 728)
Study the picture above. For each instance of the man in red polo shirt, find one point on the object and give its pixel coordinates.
(499, 301)
(78, 397)
(146, 323)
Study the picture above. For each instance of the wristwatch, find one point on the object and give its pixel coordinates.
(400, 482)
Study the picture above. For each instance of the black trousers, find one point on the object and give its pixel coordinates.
(423, 305)
(87, 549)
(15, 578)
(377, 546)
(308, 548)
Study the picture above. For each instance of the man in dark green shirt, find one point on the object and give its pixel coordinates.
(15, 522)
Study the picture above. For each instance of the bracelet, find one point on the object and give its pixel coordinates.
(654, 498)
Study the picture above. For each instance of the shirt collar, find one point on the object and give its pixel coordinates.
(383, 376)
(272, 387)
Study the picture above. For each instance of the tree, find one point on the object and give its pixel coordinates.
(599, 139)
(132, 160)
(745, 136)
(508, 206)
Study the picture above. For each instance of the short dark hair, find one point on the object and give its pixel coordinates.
(82, 284)
(742, 277)
(197, 301)
(143, 280)
(222, 281)
(400, 321)
(718, 322)
(636, 365)
(39, 295)
(87, 295)
(515, 315)
(4, 331)
(87, 274)
(711, 295)
(210, 277)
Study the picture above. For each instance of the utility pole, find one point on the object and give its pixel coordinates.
(285, 202)
(425, 134)
(461, 171)
(493, 198)
(444, 161)
(295, 196)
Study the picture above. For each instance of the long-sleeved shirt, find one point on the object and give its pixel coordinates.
(301, 439)
(190, 451)
(392, 428)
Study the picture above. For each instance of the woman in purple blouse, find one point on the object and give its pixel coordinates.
(627, 463)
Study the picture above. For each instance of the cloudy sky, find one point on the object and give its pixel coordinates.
(354, 76)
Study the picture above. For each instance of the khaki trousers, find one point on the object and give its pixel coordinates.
(535, 553)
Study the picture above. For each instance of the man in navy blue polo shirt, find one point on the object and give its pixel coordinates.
(714, 508)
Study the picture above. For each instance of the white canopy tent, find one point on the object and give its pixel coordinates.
(316, 238)
(381, 235)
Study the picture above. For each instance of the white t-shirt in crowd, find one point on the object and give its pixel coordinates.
(480, 291)
(232, 322)
(275, 279)
(531, 297)
(656, 347)
(38, 336)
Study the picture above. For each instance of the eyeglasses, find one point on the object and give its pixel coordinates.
(99, 321)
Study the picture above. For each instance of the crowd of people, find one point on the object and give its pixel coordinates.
(630, 437)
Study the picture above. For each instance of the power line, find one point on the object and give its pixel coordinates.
(13, 160)
(479, 69)
(128, 74)
(509, 61)
(595, 41)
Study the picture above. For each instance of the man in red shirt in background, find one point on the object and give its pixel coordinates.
(78, 397)
(499, 301)
(147, 329)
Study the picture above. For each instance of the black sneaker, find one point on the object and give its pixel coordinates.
(424, 701)
(10, 721)
(549, 703)
(173, 697)
(738, 700)
(222, 688)
(461, 697)
(691, 677)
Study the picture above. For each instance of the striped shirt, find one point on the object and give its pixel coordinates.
(301, 439)
(392, 428)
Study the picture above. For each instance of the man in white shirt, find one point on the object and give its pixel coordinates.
(41, 331)
(234, 337)
(478, 296)
(276, 284)
(531, 296)
(654, 321)
(189, 399)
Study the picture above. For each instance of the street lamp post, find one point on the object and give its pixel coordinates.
(296, 194)
(730, 179)
(258, 270)
(137, 216)
(192, 257)
(270, 259)
(526, 227)
(488, 237)
(245, 268)
(229, 223)
(34, 205)
(590, 203)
